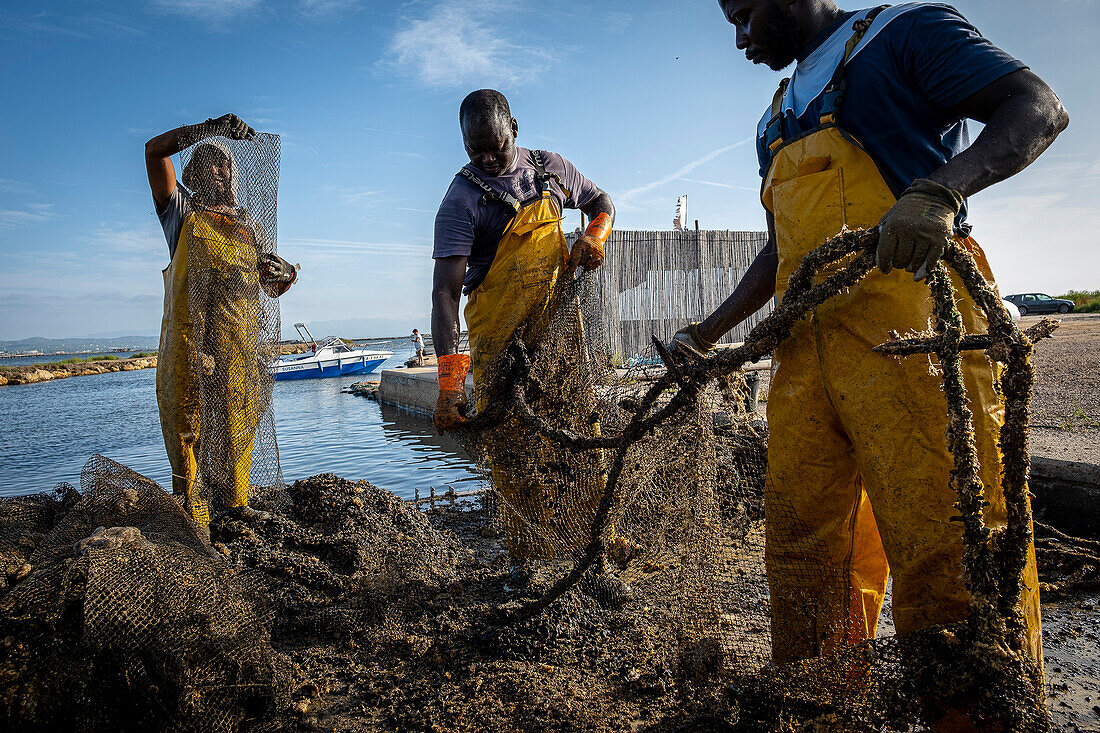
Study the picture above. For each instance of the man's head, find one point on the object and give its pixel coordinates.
(211, 174)
(772, 32)
(488, 131)
(415, 332)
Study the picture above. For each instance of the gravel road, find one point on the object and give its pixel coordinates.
(1065, 411)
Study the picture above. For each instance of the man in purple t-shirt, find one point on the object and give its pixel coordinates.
(498, 238)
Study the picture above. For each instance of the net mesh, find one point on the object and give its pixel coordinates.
(231, 328)
(636, 495)
(124, 618)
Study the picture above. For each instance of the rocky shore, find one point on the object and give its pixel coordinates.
(32, 373)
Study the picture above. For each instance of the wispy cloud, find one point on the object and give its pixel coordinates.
(401, 134)
(345, 246)
(324, 7)
(144, 242)
(463, 43)
(718, 184)
(211, 9)
(31, 214)
(354, 196)
(679, 173)
(86, 26)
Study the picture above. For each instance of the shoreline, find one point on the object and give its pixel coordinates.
(34, 373)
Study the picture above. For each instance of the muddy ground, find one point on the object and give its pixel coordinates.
(408, 639)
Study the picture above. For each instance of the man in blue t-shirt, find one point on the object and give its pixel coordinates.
(871, 129)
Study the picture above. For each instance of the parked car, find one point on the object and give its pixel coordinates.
(1013, 311)
(1039, 303)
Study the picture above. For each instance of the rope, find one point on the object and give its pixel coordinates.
(993, 559)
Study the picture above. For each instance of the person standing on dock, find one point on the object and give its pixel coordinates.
(418, 342)
(871, 130)
(211, 386)
(498, 239)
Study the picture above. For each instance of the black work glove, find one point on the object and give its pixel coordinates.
(275, 270)
(914, 233)
(688, 340)
(230, 126)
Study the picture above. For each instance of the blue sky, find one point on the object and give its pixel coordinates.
(649, 99)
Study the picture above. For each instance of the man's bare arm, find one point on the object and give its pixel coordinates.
(1022, 117)
(160, 149)
(446, 295)
(752, 293)
(587, 252)
(601, 204)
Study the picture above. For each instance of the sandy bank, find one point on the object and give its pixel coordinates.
(33, 373)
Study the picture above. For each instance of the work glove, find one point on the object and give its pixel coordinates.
(274, 270)
(450, 407)
(230, 126)
(915, 231)
(587, 253)
(687, 341)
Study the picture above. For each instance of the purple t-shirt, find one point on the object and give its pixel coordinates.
(467, 225)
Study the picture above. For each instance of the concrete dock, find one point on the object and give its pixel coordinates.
(416, 389)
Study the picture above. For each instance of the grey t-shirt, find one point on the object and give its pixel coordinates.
(171, 217)
(467, 225)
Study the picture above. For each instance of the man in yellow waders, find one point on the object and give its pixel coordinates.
(498, 238)
(209, 331)
(871, 129)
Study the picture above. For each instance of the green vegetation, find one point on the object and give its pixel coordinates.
(1084, 301)
(81, 360)
(142, 354)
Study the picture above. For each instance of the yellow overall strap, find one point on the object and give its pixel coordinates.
(773, 132)
(834, 93)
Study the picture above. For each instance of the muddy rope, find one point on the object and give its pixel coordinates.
(1075, 561)
(993, 559)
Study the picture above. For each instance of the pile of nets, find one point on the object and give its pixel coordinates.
(121, 618)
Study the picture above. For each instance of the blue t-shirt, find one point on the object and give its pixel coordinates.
(916, 61)
(468, 224)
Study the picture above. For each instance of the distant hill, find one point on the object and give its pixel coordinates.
(77, 345)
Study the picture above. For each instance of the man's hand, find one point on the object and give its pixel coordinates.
(688, 341)
(450, 407)
(587, 254)
(450, 411)
(915, 231)
(230, 126)
(275, 270)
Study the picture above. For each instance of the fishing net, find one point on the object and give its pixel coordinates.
(635, 491)
(122, 618)
(221, 331)
(648, 483)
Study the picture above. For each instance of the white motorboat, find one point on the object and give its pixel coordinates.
(332, 357)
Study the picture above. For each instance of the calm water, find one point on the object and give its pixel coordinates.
(48, 430)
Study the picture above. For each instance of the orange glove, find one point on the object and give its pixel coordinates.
(588, 249)
(450, 408)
